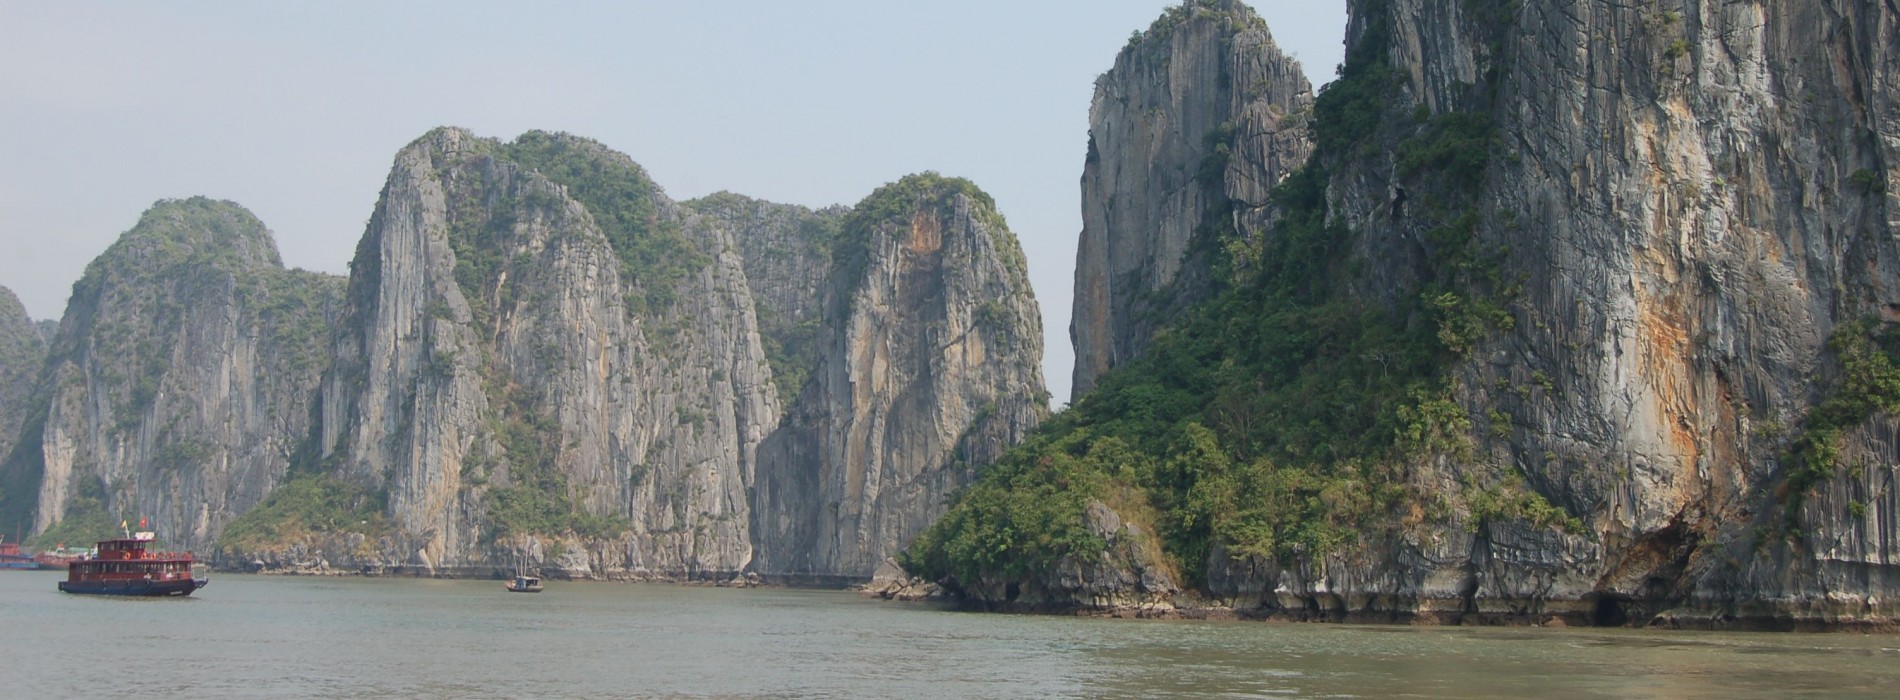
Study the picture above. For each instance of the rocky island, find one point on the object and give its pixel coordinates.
(1577, 313)
(1540, 313)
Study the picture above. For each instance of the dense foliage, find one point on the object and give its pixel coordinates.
(86, 518)
(307, 505)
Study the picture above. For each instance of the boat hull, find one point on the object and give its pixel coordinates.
(181, 587)
(26, 565)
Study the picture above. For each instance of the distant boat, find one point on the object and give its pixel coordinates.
(524, 584)
(12, 558)
(59, 558)
(123, 567)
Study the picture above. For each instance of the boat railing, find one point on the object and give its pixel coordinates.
(139, 555)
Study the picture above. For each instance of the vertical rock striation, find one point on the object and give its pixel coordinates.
(787, 253)
(1712, 191)
(178, 387)
(1189, 132)
(540, 344)
(1602, 301)
(538, 360)
(928, 369)
(1695, 197)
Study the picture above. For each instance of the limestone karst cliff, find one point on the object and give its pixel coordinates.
(22, 350)
(539, 342)
(1579, 311)
(179, 385)
(538, 359)
(1189, 132)
(928, 368)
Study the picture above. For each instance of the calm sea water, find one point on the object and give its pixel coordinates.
(268, 637)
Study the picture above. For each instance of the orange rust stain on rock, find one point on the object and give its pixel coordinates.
(1664, 332)
(926, 233)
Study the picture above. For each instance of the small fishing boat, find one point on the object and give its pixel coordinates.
(124, 567)
(524, 584)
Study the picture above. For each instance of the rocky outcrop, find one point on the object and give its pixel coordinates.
(928, 370)
(1188, 134)
(538, 341)
(1659, 246)
(22, 351)
(179, 385)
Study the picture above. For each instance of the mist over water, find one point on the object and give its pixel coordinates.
(264, 637)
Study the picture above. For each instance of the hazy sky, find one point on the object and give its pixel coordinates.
(295, 109)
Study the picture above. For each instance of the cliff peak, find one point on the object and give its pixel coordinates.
(212, 230)
(1199, 119)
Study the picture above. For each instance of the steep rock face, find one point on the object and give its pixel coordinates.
(787, 253)
(1198, 120)
(1695, 197)
(1580, 312)
(928, 370)
(1716, 184)
(539, 342)
(22, 351)
(179, 385)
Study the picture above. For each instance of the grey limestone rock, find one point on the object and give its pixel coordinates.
(928, 368)
(1188, 134)
(1695, 196)
(499, 350)
(179, 385)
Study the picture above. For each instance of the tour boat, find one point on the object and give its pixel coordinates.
(12, 558)
(123, 567)
(524, 584)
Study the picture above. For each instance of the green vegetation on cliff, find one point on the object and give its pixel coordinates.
(86, 518)
(536, 500)
(1278, 418)
(307, 505)
(1868, 353)
(654, 254)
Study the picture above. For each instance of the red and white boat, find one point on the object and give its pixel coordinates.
(124, 567)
